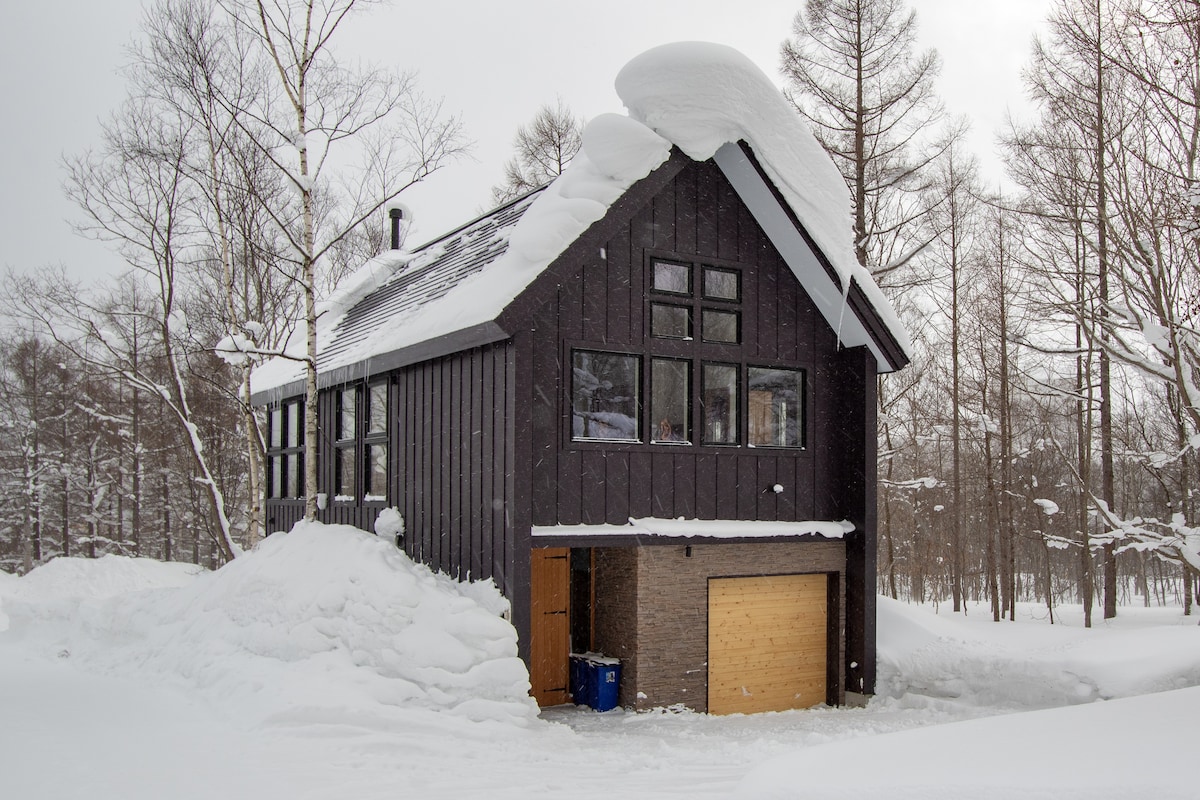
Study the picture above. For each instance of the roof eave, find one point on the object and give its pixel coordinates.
(864, 326)
(481, 335)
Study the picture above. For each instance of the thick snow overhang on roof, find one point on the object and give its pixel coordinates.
(707, 100)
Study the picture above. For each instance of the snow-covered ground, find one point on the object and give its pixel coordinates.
(325, 664)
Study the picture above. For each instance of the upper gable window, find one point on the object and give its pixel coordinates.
(670, 321)
(722, 284)
(709, 303)
(723, 327)
(672, 278)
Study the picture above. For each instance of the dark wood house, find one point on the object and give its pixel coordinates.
(658, 440)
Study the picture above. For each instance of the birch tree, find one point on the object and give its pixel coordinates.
(314, 117)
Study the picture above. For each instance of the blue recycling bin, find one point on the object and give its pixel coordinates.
(595, 680)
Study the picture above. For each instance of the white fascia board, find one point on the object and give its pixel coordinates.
(775, 222)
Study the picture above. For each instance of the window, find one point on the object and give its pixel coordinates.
(775, 396)
(693, 372)
(672, 278)
(670, 322)
(345, 450)
(604, 396)
(670, 399)
(722, 284)
(285, 450)
(375, 475)
(719, 401)
(721, 326)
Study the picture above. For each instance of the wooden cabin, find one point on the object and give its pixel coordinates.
(659, 441)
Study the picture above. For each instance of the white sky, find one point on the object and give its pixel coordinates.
(493, 64)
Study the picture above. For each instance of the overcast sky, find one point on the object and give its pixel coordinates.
(493, 63)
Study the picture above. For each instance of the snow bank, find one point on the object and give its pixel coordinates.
(930, 658)
(320, 619)
(56, 589)
(1132, 748)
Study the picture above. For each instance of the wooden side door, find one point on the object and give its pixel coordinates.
(550, 625)
(767, 643)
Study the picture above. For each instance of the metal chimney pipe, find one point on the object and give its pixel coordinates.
(396, 215)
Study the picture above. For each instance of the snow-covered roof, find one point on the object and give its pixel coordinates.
(657, 527)
(705, 99)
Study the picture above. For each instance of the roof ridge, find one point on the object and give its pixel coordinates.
(486, 215)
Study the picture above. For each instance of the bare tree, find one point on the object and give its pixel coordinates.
(1110, 169)
(851, 71)
(310, 120)
(137, 193)
(544, 146)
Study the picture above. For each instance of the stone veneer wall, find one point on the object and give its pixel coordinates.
(652, 611)
(616, 630)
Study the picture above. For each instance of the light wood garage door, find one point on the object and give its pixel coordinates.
(767, 641)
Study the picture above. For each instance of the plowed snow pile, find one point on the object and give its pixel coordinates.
(323, 618)
(971, 661)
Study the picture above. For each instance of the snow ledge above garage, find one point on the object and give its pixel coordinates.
(704, 528)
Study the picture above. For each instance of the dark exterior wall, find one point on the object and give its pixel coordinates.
(281, 515)
(600, 302)
(451, 464)
(857, 440)
(596, 298)
(652, 612)
(451, 470)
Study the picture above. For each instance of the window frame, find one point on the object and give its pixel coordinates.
(345, 444)
(285, 456)
(801, 407)
(373, 440)
(697, 350)
(638, 399)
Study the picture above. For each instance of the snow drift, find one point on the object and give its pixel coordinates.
(953, 659)
(323, 617)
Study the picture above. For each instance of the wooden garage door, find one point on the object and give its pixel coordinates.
(550, 625)
(767, 640)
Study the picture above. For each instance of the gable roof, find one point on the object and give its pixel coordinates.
(708, 101)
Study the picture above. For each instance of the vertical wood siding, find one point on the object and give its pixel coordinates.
(453, 456)
(450, 461)
(603, 305)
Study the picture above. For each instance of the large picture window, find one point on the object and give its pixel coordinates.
(775, 397)
(670, 400)
(719, 399)
(604, 396)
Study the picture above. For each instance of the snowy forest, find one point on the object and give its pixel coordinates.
(1042, 446)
